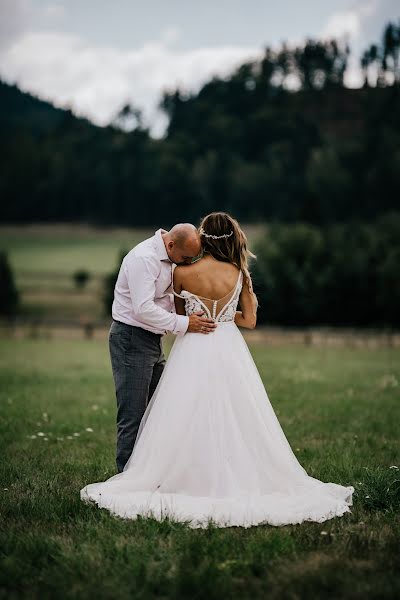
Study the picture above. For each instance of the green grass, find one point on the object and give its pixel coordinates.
(62, 249)
(339, 409)
(45, 257)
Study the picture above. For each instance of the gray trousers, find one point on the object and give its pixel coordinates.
(137, 361)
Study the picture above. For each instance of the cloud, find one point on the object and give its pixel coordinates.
(15, 17)
(54, 12)
(171, 35)
(350, 23)
(346, 26)
(18, 17)
(357, 25)
(95, 81)
(342, 24)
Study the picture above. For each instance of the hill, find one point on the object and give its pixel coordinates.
(260, 152)
(22, 111)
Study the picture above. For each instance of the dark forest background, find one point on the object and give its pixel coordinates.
(243, 144)
(319, 165)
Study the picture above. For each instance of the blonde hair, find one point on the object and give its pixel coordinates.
(223, 238)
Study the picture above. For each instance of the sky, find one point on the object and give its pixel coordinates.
(94, 56)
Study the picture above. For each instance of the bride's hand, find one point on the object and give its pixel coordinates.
(199, 324)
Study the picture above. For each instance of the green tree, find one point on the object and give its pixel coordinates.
(287, 273)
(9, 296)
(109, 285)
(391, 50)
(329, 186)
(81, 278)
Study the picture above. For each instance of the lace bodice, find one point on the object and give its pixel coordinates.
(222, 310)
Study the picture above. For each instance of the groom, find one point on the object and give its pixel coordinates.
(143, 311)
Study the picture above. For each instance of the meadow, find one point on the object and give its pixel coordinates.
(45, 257)
(339, 409)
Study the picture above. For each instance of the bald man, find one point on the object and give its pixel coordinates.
(143, 311)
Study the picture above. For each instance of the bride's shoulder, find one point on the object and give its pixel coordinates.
(181, 272)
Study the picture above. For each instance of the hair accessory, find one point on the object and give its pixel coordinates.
(215, 237)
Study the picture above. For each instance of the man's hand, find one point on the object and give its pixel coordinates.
(199, 324)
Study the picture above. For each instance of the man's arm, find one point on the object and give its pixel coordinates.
(142, 273)
(198, 323)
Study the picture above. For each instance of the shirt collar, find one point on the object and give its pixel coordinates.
(160, 246)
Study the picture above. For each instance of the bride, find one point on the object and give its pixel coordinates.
(210, 448)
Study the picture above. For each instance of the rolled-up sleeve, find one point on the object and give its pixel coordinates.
(142, 275)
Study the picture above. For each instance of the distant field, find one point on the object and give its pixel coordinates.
(44, 258)
(63, 249)
(340, 411)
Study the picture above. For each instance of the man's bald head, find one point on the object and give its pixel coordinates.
(183, 233)
(182, 243)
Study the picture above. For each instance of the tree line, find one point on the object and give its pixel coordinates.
(342, 274)
(247, 144)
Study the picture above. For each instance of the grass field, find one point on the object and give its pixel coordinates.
(63, 249)
(340, 411)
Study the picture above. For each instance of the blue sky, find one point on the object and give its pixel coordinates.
(94, 55)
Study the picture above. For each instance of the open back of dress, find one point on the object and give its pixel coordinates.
(220, 310)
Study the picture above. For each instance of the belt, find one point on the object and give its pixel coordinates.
(136, 327)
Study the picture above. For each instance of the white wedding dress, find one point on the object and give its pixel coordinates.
(210, 448)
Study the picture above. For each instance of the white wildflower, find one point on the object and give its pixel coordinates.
(40, 433)
(388, 381)
(89, 429)
(76, 434)
(324, 533)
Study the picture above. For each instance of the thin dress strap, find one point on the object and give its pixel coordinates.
(230, 292)
(204, 297)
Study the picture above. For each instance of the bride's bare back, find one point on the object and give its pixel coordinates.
(207, 278)
(215, 283)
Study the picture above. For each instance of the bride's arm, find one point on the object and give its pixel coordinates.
(247, 317)
(179, 302)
